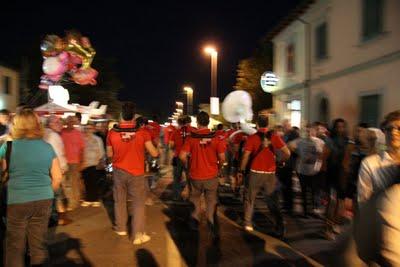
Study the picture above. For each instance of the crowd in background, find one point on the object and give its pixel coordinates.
(340, 168)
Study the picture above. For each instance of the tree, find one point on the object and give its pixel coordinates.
(248, 76)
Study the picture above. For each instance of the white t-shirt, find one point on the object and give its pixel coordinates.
(309, 152)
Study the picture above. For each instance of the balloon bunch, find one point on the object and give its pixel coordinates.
(67, 58)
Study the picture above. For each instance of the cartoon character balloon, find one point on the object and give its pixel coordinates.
(67, 59)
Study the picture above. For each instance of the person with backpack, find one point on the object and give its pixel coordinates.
(258, 164)
(207, 154)
(176, 142)
(126, 147)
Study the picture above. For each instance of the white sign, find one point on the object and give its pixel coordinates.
(214, 105)
(268, 80)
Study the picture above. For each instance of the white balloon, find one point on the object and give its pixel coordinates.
(237, 106)
(52, 66)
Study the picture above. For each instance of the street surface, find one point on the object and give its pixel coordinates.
(90, 241)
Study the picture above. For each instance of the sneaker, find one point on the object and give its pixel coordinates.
(141, 238)
(96, 204)
(249, 228)
(121, 233)
(85, 204)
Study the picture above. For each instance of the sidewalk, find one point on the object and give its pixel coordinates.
(90, 241)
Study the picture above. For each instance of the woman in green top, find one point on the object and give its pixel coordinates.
(34, 174)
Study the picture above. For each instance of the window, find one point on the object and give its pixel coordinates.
(6, 85)
(294, 108)
(370, 109)
(290, 58)
(372, 18)
(321, 50)
(323, 112)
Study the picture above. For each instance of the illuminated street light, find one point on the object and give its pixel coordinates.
(189, 99)
(214, 63)
(178, 103)
(179, 110)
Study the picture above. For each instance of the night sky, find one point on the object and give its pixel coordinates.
(158, 45)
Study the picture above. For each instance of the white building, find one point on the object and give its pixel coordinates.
(9, 88)
(338, 58)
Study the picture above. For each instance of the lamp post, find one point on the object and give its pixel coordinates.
(214, 62)
(189, 99)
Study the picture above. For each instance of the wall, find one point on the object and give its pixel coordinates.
(9, 101)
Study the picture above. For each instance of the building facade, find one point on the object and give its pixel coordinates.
(9, 88)
(339, 59)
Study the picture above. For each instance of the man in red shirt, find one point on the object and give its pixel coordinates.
(207, 152)
(74, 146)
(261, 148)
(126, 146)
(176, 142)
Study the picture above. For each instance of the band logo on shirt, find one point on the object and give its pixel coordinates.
(127, 136)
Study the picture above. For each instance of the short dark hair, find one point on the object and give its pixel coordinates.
(203, 118)
(5, 112)
(188, 119)
(181, 121)
(220, 126)
(392, 116)
(139, 122)
(128, 111)
(154, 118)
(262, 121)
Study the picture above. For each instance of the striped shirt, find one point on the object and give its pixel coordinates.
(377, 172)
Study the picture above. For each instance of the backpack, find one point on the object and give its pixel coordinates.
(262, 136)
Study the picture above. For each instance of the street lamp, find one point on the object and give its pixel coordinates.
(189, 99)
(214, 58)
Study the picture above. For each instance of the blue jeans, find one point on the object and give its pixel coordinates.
(27, 222)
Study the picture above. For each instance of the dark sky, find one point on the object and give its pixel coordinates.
(158, 44)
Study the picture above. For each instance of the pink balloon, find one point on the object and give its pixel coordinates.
(53, 66)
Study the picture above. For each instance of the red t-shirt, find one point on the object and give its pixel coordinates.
(168, 131)
(204, 155)
(178, 136)
(155, 130)
(220, 134)
(128, 149)
(237, 139)
(74, 145)
(265, 160)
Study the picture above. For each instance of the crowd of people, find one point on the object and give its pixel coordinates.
(53, 167)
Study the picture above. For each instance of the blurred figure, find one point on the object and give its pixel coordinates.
(284, 170)
(126, 147)
(378, 171)
(176, 143)
(236, 143)
(258, 163)
(220, 133)
(74, 146)
(34, 174)
(309, 162)
(168, 131)
(207, 154)
(52, 136)
(4, 123)
(336, 177)
(377, 225)
(93, 156)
